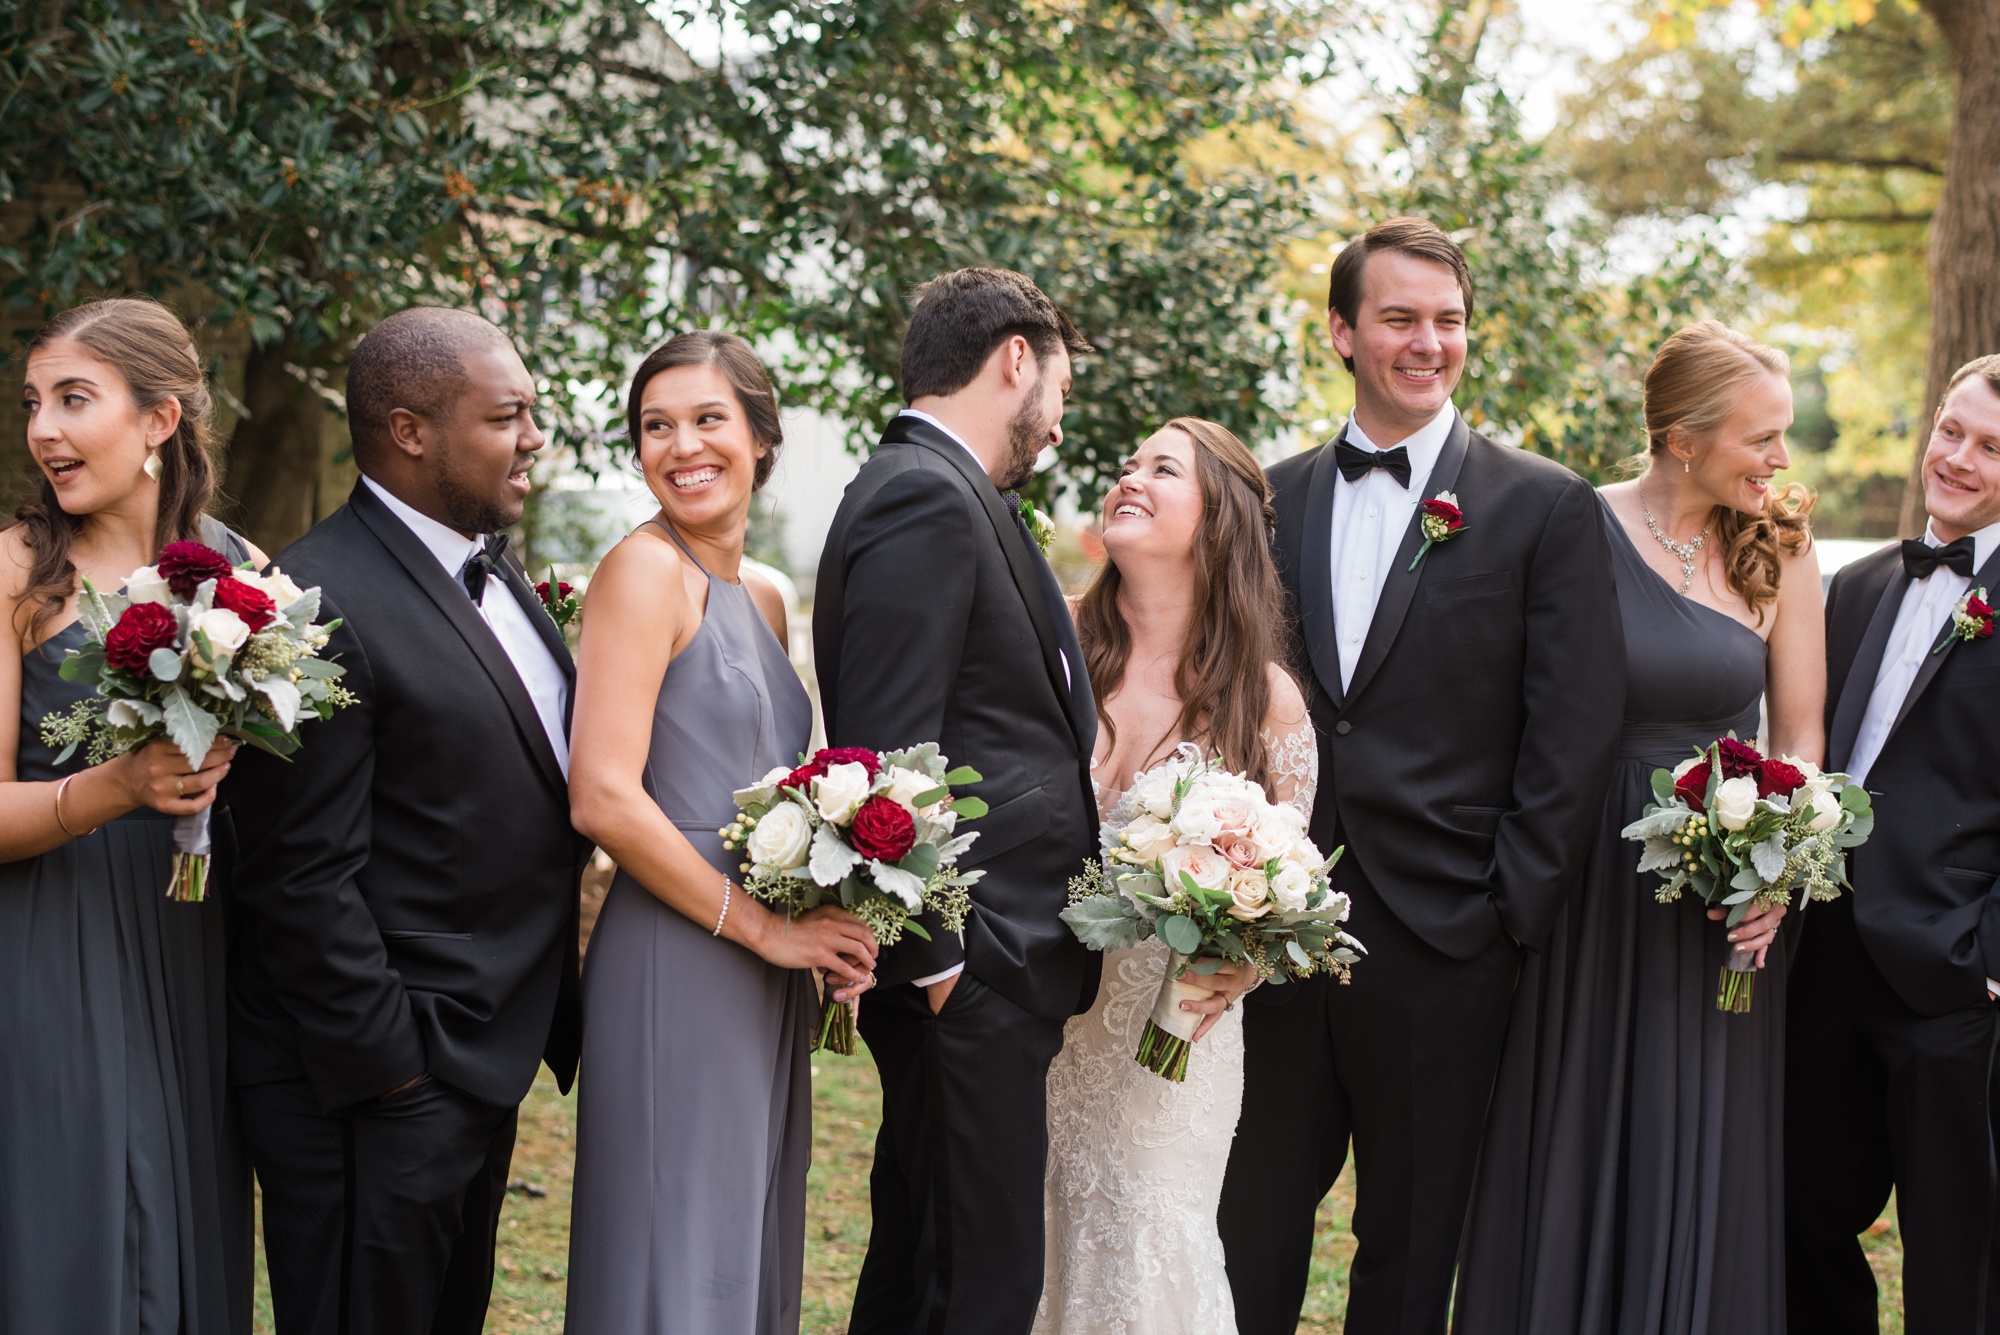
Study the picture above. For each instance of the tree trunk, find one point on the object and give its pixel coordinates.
(1965, 233)
(275, 451)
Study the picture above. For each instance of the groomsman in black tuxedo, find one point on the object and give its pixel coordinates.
(1892, 1027)
(405, 890)
(937, 620)
(1467, 698)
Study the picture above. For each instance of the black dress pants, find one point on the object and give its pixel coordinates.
(1878, 1096)
(1402, 1062)
(956, 1243)
(379, 1219)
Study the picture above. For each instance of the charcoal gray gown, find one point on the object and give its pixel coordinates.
(694, 1102)
(124, 1186)
(1632, 1181)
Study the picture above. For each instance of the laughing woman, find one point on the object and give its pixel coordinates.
(124, 1193)
(694, 1124)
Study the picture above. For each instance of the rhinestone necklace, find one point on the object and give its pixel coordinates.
(1684, 552)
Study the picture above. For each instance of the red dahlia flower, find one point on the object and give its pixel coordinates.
(184, 565)
(1738, 758)
(141, 628)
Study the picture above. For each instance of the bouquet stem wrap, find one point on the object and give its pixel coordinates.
(1169, 1034)
(188, 883)
(1739, 983)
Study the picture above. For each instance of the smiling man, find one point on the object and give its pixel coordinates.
(1892, 1025)
(1466, 696)
(406, 887)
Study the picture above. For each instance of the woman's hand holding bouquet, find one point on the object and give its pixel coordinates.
(874, 834)
(1227, 879)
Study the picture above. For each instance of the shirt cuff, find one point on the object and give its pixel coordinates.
(1993, 989)
(953, 972)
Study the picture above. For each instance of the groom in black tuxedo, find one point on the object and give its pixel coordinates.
(1467, 700)
(404, 891)
(1891, 1028)
(937, 620)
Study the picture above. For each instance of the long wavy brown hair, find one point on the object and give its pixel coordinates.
(1694, 383)
(149, 347)
(1234, 636)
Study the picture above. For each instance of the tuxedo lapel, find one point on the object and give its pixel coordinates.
(1933, 661)
(1021, 563)
(1888, 587)
(450, 598)
(1400, 587)
(1315, 566)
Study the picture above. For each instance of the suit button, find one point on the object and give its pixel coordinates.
(1343, 727)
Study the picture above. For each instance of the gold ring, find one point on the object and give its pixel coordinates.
(178, 790)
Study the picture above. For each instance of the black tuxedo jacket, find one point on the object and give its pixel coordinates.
(405, 889)
(1465, 766)
(936, 620)
(1926, 901)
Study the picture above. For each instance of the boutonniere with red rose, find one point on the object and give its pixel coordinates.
(1442, 521)
(558, 600)
(1971, 620)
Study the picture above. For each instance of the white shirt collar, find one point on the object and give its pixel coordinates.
(1425, 444)
(448, 545)
(1984, 542)
(926, 417)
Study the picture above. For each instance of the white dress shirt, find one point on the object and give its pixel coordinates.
(539, 672)
(1927, 606)
(1370, 518)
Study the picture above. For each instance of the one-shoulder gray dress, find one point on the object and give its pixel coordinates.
(124, 1187)
(1633, 1177)
(694, 1115)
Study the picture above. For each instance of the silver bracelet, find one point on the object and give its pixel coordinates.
(724, 915)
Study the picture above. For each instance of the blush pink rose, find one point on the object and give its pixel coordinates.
(1239, 849)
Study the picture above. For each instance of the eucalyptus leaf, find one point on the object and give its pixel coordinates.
(1663, 786)
(1299, 956)
(1180, 934)
(969, 808)
(961, 776)
(164, 664)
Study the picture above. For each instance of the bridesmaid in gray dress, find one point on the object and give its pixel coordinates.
(694, 1127)
(1633, 1176)
(124, 1191)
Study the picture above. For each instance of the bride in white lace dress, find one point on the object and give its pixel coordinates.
(1180, 633)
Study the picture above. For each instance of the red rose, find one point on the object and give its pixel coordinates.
(252, 604)
(882, 830)
(1975, 606)
(542, 591)
(802, 777)
(1452, 516)
(141, 628)
(1738, 759)
(1692, 787)
(184, 565)
(1775, 776)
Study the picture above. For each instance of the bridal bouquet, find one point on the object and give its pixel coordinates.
(1219, 873)
(875, 833)
(1745, 831)
(191, 650)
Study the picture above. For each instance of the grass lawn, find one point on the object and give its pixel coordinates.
(534, 1232)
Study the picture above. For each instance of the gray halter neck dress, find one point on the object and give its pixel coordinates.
(1632, 1181)
(694, 1114)
(124, 1186)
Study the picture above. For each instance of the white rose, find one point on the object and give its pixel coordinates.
(144, 585)
(1147, 839)
(1207, 868)
(1306, 853)
(1735, 802)
(1825, 807)
(1197, 821)
(1274, 832)
(1154, 792)
(1236, 812)
(1291, 886)
(907, 785)
(276, 584)
(782, 838)
(1252, 893)
(225, 630)
(840, 791)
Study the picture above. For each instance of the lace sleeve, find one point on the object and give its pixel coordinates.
(1295, 767)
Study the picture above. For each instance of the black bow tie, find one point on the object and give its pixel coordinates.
(482, 563)
(1355, 462)
(1920, 558)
